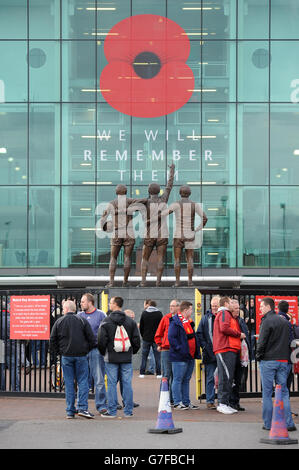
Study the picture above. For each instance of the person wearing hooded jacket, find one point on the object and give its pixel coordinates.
(118, 364)
(184, 349)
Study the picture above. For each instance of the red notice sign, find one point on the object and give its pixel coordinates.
(30, 317)
(293, 308)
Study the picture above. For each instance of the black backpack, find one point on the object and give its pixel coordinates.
(296, 331)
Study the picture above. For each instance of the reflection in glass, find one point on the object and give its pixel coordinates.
(253, 71)
(253, 19)
(284, 218)
(13, 144)
(253, 144)
(13, 227)
(219, 239)
(44, 144)
(44, 227)
(253, 227)
(44, 71)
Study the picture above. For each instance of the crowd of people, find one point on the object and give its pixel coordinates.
(96, 349)
(93, 344)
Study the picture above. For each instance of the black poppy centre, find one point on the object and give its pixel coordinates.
(147, 65)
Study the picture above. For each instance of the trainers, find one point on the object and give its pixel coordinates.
(211, 406)
(226, 410)
(103, 410)
(141, 376)
(85, 414)
(192, 407)
(107, 415)
(180, 406)
(70, 416)
(128, 416)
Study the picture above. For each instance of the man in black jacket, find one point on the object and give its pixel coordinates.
(149, 322)
(273, 352)
(118, 364)
(72, 338)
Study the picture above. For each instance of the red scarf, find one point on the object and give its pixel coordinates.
(188, 330)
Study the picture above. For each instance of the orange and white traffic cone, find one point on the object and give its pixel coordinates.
(279, 431)
(165, 423)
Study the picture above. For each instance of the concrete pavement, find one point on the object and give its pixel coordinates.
(40, 423)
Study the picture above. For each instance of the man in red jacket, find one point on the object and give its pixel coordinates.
(161, 339)
(226, 345)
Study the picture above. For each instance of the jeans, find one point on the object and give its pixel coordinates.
(275, 371)
(210, 388)
(146, 345)
(151, 361)
(182, 373)
(75, 368)
(167, 371)
(12, 362)
(42, 346)
(125, 372)
(97, 372)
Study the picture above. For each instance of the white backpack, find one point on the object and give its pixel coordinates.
(122, 342)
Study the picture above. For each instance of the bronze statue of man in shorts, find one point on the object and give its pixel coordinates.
(123, 232)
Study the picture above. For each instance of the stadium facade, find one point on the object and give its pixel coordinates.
(64, 147)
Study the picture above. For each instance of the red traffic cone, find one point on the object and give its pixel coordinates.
(165, 423)
(279, 431)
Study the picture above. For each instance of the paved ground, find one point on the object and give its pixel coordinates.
(40, 423)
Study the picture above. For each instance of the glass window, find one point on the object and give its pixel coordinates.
(219, 71)
(78, 71)
(284, 148)
(44, 144)
(108, 14)
(253, 227)
(219, 19)
(253, 144)
(253, 19)
(219, 235)
(219, 143)
(284, 71)
(13, 227)
(78, 143)
(184, 143)
(44, 71)
(155, 7)
(78, 19)
(13, 144)
(253, 71)
(78, 226)
(284, 19)
(113, 146)
(44, 19)
(44, 227)
(149, 151)
(13, 73)
(13, 19)
(284, 215)
(188, 16)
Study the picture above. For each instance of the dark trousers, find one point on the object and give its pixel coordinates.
(146, 345)
(226, 363)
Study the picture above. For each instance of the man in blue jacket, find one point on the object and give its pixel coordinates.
(205, 337)
(184, 348)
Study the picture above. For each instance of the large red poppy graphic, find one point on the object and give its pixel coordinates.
(147, 75)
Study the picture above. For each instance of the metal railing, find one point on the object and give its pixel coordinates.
(28, 366)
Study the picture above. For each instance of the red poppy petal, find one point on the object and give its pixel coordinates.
(158, 96)
(152, 33)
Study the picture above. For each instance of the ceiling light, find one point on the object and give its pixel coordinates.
(3, 150)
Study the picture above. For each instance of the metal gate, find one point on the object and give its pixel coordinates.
(251, 386)
(28, 367)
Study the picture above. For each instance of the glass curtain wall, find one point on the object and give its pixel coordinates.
(63, 148)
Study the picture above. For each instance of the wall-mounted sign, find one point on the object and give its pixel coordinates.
(293, 308)
(30, 317)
